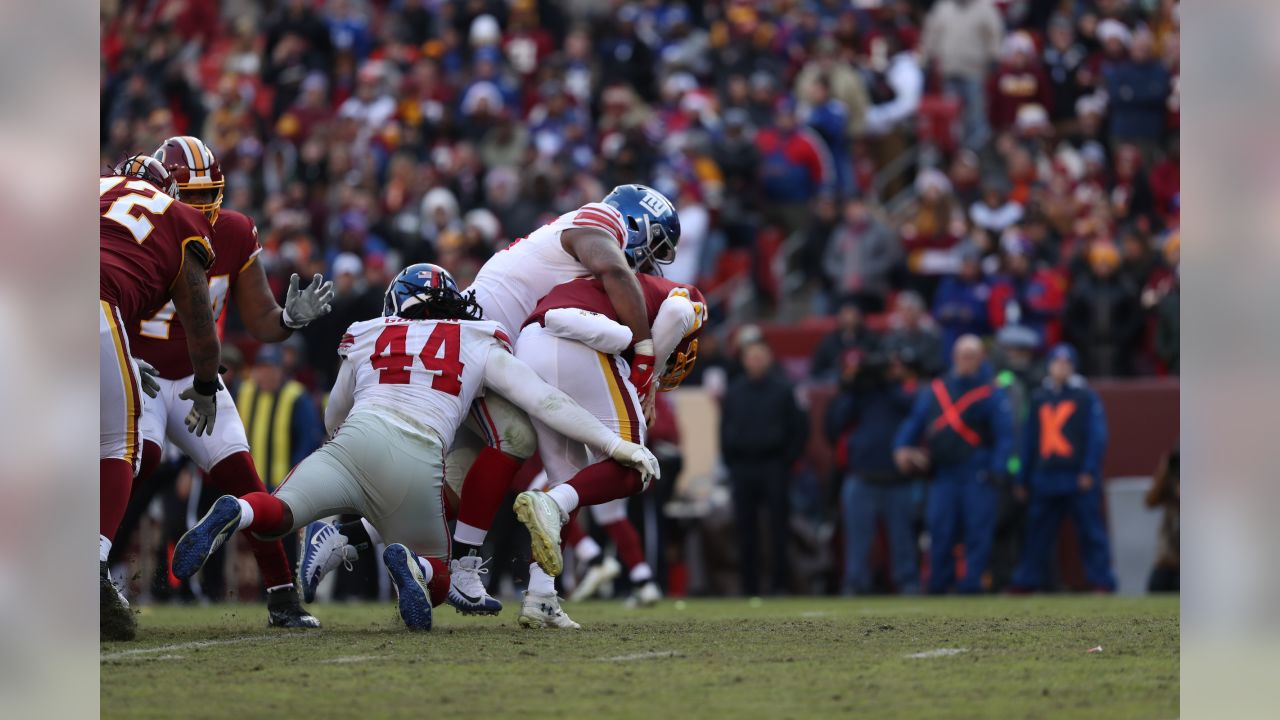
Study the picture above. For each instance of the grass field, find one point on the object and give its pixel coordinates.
(803, 658)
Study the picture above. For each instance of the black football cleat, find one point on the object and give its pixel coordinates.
(115, 618)
(284, 610)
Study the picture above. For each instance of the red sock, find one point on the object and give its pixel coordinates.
(485, 487)
(605, 481)
(572, 531)
(151, 456)
(115, 480)
(268, 514)
(627, 540)
(236, 475)
(439, 585)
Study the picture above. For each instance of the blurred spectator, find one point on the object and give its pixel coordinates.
(960, 304)
(1019, 81)
(282, 422)
(828, 117)
(1168, 326)
(913, 333)
(962, 39)
(966, 425)
(1104, 315)
(762, 432)
(876, 396)
(1166, 494)
(996, 212)
(850, 336)
(842, 83)
(794, 167)
(1026, 295)
(1062, 451)
(1063, 57)
(1137, 89)
(1016, 374)
(861, 253)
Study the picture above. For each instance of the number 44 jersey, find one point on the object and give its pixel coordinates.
(420, 374)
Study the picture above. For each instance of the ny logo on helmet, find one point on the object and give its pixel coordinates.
(655, 204)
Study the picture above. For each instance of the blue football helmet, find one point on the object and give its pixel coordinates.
(432, 291)
(653, 227)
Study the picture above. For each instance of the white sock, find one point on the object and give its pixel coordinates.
(587, 549)
(428, 572)
(246, 514)
(641, 573)
(540, 583)
(374, 536)
(565, 496)
(469, 534)
(104, 548)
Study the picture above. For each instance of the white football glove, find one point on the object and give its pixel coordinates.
(638, 457)
(148, 374)
(204, 411)
(303, 306)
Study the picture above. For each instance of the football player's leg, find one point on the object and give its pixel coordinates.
(605, 392)
(120, 405)
(480, 473)
(404, 494)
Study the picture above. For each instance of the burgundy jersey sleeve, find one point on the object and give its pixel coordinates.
(236, 238)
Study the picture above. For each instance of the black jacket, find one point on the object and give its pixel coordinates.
(760, 421)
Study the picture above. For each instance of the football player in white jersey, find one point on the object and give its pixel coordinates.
(592, 241)
(405, 385)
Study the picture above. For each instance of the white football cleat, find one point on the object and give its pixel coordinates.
(322, 549)
(597, 576)
(467, 593)
(544, 519)
(647, 596)
(540, 611)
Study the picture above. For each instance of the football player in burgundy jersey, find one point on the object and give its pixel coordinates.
(159, 339)
(153, 250)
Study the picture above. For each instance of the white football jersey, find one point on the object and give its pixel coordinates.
(420, 375)
(512, 282)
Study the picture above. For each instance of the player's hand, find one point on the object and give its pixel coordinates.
(638, 457)
(642, 367)
(650, 408)
(148, 374)
(301, 307)
(204, 411)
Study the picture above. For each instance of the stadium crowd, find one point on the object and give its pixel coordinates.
(916, 170)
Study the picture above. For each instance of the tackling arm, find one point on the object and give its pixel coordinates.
(258, 306)
(517, 382)
(601, 256)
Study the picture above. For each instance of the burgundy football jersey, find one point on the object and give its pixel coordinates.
(160, 338)
(144, 236)
(589, 294)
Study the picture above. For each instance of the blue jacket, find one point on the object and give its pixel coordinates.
(1137, 93)
(1066, 435)
(874, 413)
(990, 419)
(960, 307)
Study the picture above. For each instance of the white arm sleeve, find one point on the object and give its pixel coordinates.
(341, 398)
(517, 382)
(676, 318)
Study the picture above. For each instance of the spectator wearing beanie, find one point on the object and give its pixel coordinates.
(962, 40)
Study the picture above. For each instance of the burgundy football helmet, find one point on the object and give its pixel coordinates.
(199, 176)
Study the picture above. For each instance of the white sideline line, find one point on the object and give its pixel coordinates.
(353, 659)
(940, 652)
(641, 656)
(194, 645)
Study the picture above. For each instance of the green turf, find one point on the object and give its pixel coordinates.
(708, 658)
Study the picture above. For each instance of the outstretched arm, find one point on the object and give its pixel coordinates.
(268, 322)
(341, 398)
(517, 382)
(601, 256)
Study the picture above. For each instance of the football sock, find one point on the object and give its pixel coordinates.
(436, 570)
(268, 514)
(236, 475)
(604, 481)
(115, 479)
(627, 540)
(565, 496)
(641, 574)
(484, 489)
(467, 539)
(540, 583)
(588, 550)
